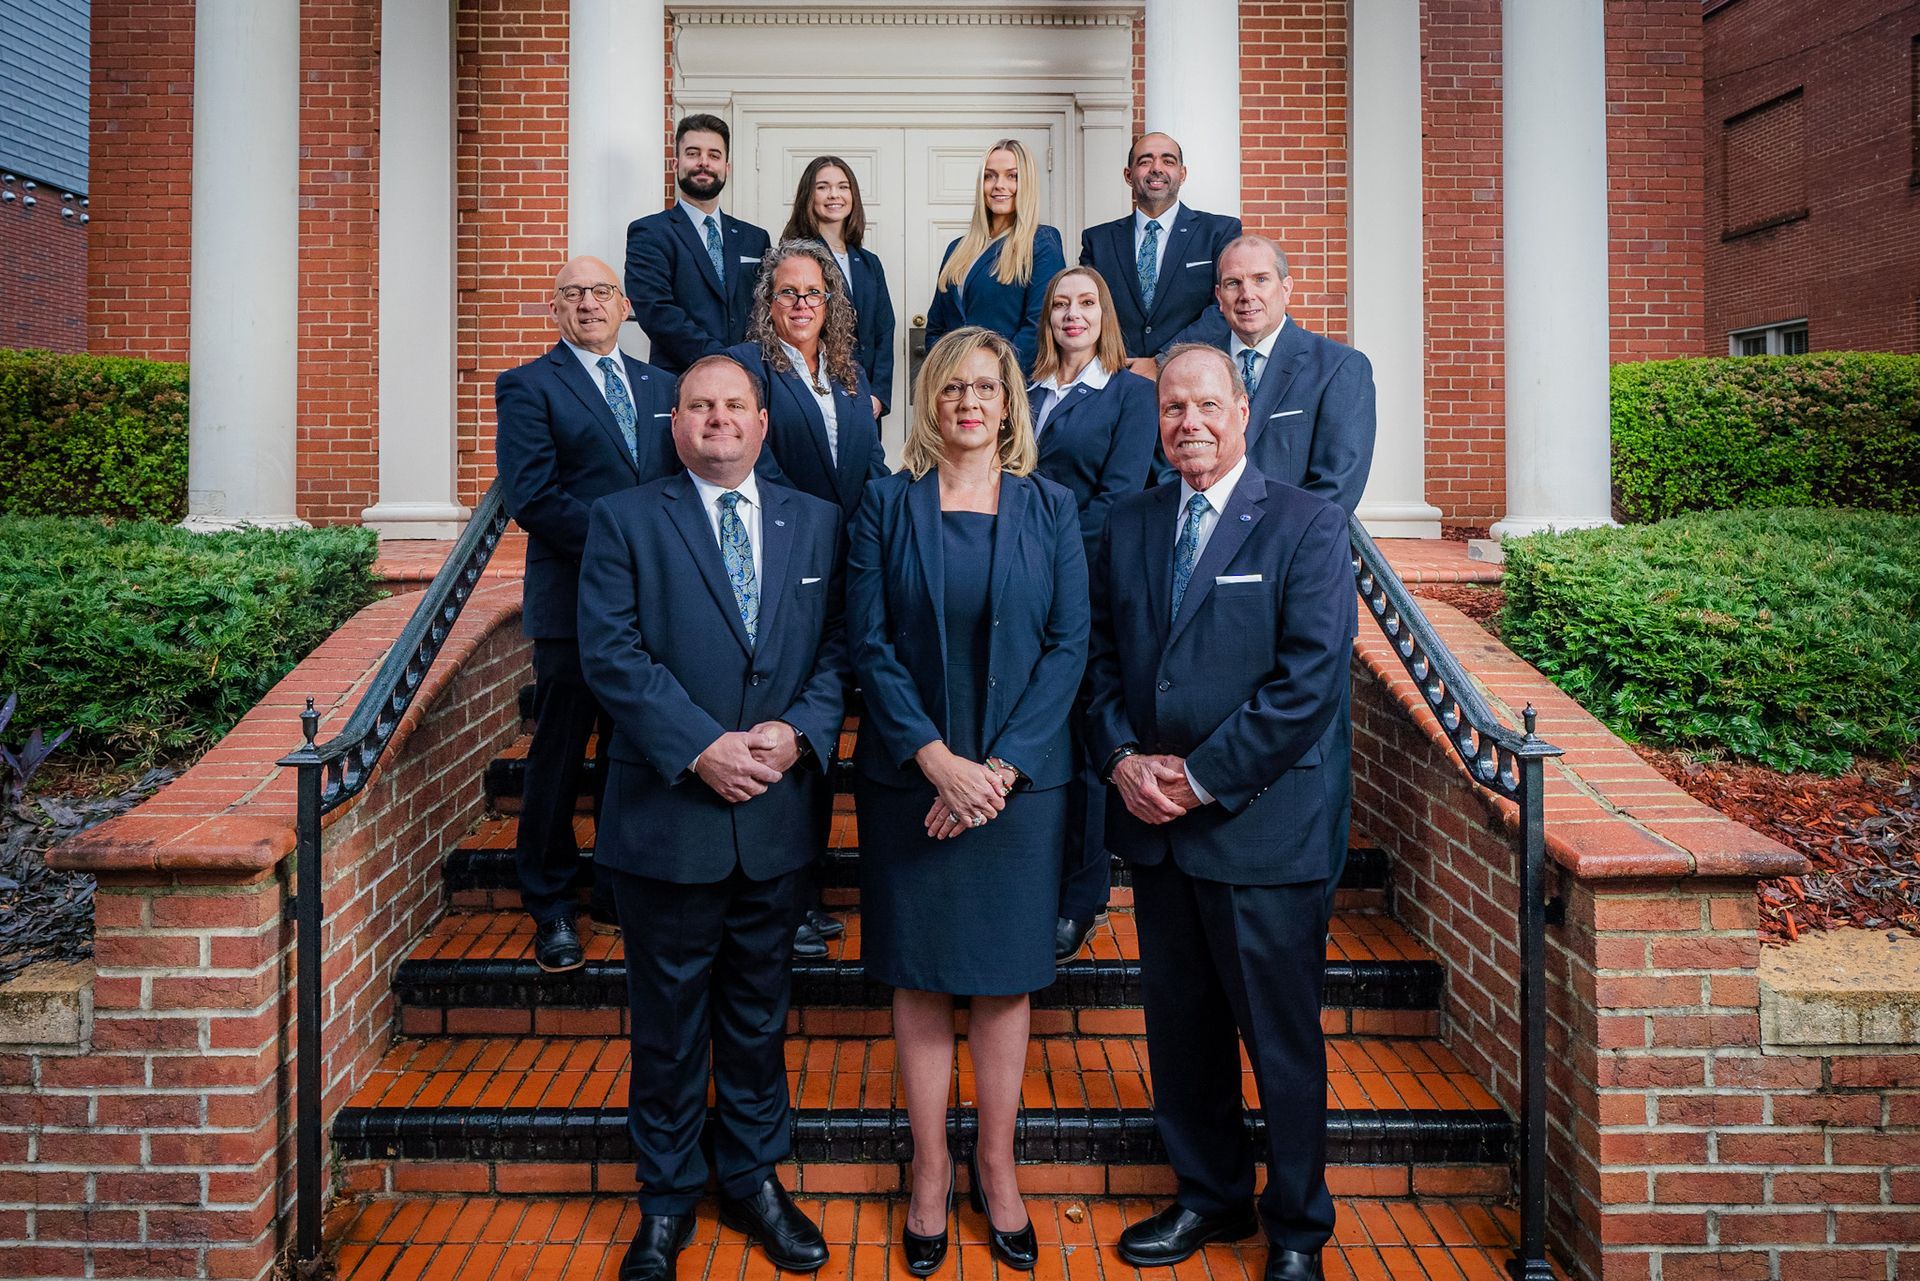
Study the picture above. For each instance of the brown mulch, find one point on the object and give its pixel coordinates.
(1465, 533)
(1476, 601)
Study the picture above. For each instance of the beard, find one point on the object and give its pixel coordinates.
(701, 186)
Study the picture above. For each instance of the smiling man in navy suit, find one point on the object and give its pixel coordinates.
(690, 269)
(1160, 258)
(1223, 612)
(712, 631)
(581, 422)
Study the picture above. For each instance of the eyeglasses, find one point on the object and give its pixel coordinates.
(791, 298)
(983, 389)
(602, 292)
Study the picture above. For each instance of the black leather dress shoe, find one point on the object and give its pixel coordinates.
(656, 1247)
(825, 925)
(1294, 1265)
(1172, 1235)
(807, 943)
(556, 946)
(1069, 936)
(774, 1223)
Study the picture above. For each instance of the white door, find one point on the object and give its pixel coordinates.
(917, 185)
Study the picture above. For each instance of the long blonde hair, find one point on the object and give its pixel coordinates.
(1017, 452)
(1016, 255)
(1111, 347)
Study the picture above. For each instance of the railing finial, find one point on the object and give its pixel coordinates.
(310, 723)
(1528, 716)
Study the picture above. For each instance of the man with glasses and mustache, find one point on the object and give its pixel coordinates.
(583, 421)
(690, 269)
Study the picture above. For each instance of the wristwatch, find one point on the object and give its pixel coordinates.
(1120, 753)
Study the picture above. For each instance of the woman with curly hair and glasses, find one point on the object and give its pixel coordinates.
(967, 614)
(996, 275)
(821, 435)
(827, 208)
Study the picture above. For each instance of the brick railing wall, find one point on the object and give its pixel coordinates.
(1678, 1148)
(166, 1148)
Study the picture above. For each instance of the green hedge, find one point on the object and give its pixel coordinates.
(152, 641)
(92, 436)
(1834, 429)
(1788, 637)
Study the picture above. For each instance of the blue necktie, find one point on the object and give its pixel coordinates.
(737, 551)
(1187, 551)
(1147, 264)
(713, 249)
(621, 404)
(1247, 357)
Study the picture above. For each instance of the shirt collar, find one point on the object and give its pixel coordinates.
(699, 220)
(592, 361)
(1219, 494)
(1093, 378)
(748, 489)
(1166, 220)
(800, 365)
(1264, 346)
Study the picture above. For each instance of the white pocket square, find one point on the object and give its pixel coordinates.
(665, 415)
(1204, 262)
(1225, 579)
(1287, 413)
(805, 581)
(749, 258)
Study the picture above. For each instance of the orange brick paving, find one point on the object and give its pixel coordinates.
(576, 1238)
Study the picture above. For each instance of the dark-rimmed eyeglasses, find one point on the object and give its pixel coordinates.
(791, 298)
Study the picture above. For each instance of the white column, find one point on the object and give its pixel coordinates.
(618, 101)
(1554, 218)
(419, 433)
(1193, 93)
(1386, 250)
(243, 317)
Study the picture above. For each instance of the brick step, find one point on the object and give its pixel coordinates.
(1436, 1238)
(474, 973)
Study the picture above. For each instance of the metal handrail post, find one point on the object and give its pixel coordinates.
(1530, 1260)
(307, 1260)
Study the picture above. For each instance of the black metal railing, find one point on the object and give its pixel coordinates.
(332, 773)
(1512, 764)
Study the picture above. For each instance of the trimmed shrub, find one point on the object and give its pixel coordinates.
(152, 641)
(1788, 637)
(92, 436)
(1833, 429)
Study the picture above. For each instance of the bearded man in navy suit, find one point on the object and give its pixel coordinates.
(1223, 616)
(579, 423)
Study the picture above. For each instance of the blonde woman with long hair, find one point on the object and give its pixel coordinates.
(996, 275)
(967, 614)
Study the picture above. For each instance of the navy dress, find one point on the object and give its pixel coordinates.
(1015, 312)
(972, 915)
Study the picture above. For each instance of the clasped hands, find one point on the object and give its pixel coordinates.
(1155, 788)
(742, 764)
(968, 793)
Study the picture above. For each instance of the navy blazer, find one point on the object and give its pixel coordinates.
(896, 620)
(1015, 312)
(874, 323)
(558, 449)
(1246, 683)
(1311, 420)
(796, 453)
(1184, 294)
(664, 651)
(1102, 445)
(685, 312)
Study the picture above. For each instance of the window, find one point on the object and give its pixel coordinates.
(1763, 160)
(1786, 339)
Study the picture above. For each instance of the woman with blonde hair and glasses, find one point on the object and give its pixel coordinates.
(995, 276)
(967, 613)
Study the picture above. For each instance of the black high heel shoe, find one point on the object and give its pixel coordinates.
(925, 1254)
(1018, 1249)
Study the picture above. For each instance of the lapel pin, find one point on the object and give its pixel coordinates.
(1246, 516)
(781, 523)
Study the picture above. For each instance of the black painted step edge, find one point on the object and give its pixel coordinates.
(1047, 1135)
(520, 984)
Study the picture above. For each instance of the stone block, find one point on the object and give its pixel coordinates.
(1841, 992)
(49, 1004)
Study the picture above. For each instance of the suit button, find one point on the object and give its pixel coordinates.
(756, 678)
(1147, 330)
(992, 681)
(996, 622)
(1165, 686)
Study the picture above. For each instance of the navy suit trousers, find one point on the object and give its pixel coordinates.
(566, 714)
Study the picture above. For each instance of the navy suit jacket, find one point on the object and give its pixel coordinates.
(796, 453)
(1102, 446)
(558, 450)
(874, 323)
(1311, 420)
(1246, 683)
(1015, 312)
(896, 618)
(665, 653)
(1184, 294)
(685, 312)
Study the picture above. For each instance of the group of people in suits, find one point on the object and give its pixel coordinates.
(1104, 608)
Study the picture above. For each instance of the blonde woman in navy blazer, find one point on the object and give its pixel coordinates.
(996, 275)
(968, 609)
(1099, 432)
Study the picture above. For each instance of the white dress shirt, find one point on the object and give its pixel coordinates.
(846, 265)
(748, 510)
(1219, 494)
(1166, 221)
(1093, 377)
(1264, 348)
(699, 221)
(591, 363)
(828, 414)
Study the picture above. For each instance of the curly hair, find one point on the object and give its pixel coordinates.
(836, 334)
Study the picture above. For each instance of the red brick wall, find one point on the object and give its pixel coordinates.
(1851, 267)
(140, 169)
(43, 271)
